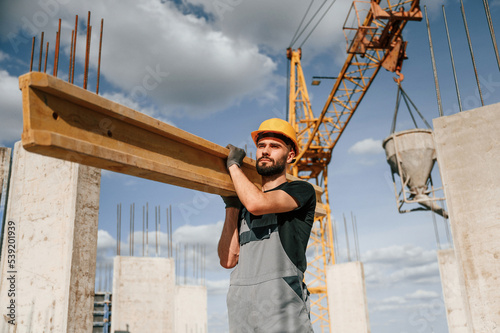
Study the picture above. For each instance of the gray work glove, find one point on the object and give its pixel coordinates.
(232, 202)
(236, 156)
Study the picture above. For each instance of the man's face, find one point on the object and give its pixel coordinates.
(272, 156)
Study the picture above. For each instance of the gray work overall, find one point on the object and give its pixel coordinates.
(266, 294)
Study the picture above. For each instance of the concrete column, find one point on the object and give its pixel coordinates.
(468, 154)
(49, 247)
(452, 293)
(143, 294)
(4, 169)
(191, 309)
(348, 307)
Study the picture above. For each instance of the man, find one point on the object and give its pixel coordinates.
(265, 236)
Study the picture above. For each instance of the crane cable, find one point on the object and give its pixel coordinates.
(294, 40)
(301, 22)
(314, 28)
(406, 98)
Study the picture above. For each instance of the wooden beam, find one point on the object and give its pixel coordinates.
(64, 121)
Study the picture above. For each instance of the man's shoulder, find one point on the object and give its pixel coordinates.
(300, 184)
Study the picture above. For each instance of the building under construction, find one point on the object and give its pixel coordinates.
(51, 186)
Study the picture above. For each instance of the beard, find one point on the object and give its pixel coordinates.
(276, 168)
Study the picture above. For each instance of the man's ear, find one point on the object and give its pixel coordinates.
(291, 156)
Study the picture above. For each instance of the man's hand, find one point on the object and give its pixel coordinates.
(232, 202)
(236, 156)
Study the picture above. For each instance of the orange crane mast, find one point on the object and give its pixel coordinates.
(372, 43)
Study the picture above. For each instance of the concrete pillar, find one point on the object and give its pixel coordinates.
(191, 309)
(348, 307)
(452, 293)
(468, 154)
(49, 247)
(4, 169)
(143, 294)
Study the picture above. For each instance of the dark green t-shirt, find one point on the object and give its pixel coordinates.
(294, 227)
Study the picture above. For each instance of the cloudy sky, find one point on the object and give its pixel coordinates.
(217, 69)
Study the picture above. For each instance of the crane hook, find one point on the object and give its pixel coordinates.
(399, 78)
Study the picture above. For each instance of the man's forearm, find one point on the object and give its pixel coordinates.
(229, 246)
(247, 192)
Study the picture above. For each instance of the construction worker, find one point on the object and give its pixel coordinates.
(265, 235)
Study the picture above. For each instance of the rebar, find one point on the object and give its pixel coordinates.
(41, 53)
(436, 82)
(99, 59)
(355, 232)
(32, 53)
(74, 51)
(335, 237)
(347, 241)
(71, 55)
(87, 53)
(147, 229)
(471, 51)
(46, 58)
(58, 44)
(452, 61)
(492, 31)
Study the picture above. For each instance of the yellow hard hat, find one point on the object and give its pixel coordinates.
(281, 128)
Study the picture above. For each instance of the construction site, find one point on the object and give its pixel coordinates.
(115, 121)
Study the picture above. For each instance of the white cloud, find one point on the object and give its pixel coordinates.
(398, 263)
(423, 295)
(217, 287)
(104, 240)
(11, 110)
(203, 234)
(198, 64)
(4, 56)
(367, 146)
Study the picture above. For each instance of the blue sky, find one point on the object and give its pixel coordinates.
(217, 69)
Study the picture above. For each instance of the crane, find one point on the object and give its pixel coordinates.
(373, 42)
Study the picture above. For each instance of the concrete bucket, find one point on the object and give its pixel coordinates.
(411, 154)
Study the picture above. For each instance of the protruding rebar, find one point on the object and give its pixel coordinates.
(347, 240)
(436, 83)
(335, 237)
(46, 58)
(492, 31)
(452, 61)
(74, 51)
(32, 53)
(41, 53)
(87, 53)
(147, 229)
(471, 52)
(71, 55)
(58, 44)
(99, 59)
(355, 232)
